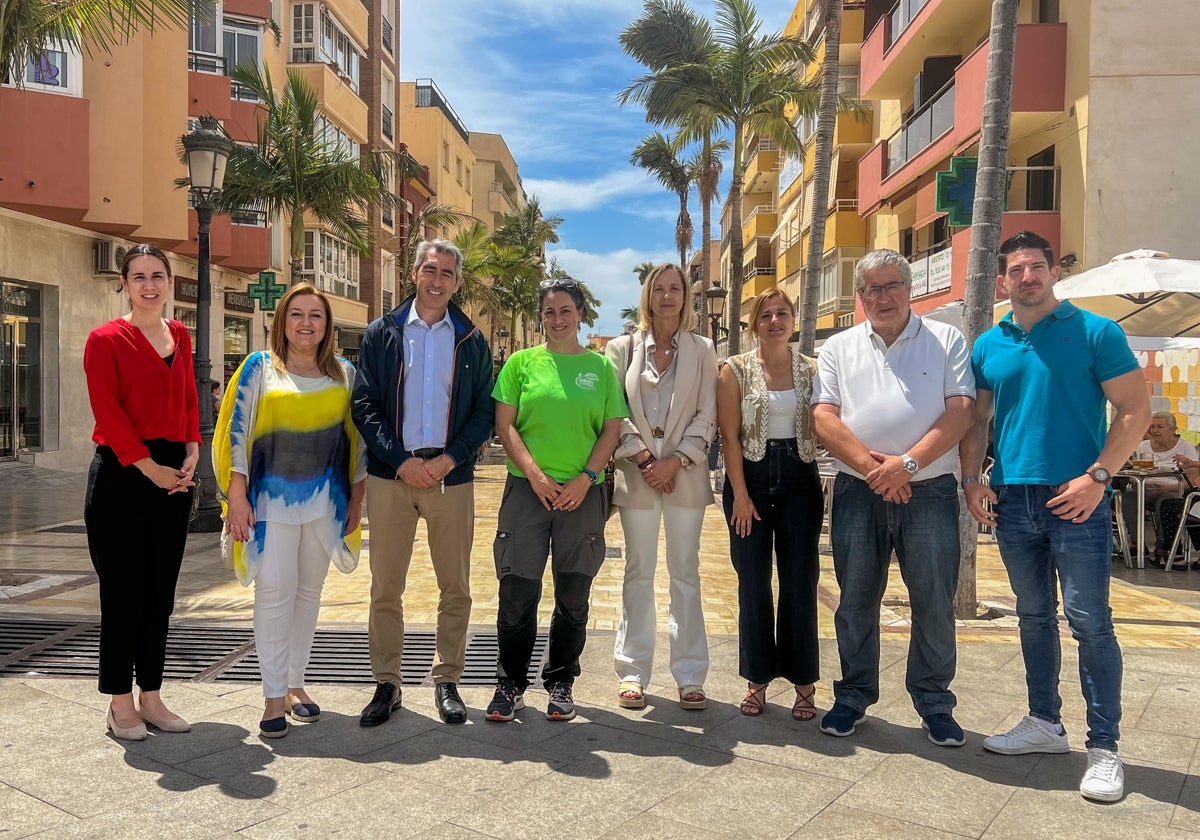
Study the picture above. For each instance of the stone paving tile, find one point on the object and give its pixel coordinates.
(1057, 814)
(762, 800)
(650, 827)
(22, 815)
(839, 822)
(1151, 790)
(918, 790)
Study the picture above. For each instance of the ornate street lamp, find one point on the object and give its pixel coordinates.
(714, 301)
(207, 150)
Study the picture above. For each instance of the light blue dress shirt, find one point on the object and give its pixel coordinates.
(428, 369)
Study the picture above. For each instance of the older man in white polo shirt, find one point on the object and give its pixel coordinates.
(894, 398)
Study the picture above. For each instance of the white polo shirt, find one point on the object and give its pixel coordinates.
(890, 397)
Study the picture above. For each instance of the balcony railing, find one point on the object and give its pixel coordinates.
(241, 94)
(387, 35)
(1034, 189)
(248, 217)
(387, 122)
(935, 118)
(840, 205)
(199, 62)
(760, 209)
(498, 188)
(387, 216)
(755, 270)
(901, 15)
(429, 95)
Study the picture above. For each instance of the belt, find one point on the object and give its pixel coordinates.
(427, 452)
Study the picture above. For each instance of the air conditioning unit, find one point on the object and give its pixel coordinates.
(108, 256)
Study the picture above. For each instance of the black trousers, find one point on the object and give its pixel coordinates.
(136, 535)
(516, 627)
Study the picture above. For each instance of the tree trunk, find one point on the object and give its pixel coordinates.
(296, 244)
(990, 186)
(703, 326)
(826, 121)
(736, 252)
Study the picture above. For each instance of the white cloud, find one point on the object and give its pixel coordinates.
(559, 195)
(610, 277)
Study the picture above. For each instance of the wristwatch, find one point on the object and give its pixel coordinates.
(684, 460)
(969, 479)
(1099, 474)
(592, 475)
(910, 463)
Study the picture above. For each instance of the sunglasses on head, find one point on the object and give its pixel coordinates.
(559, 283)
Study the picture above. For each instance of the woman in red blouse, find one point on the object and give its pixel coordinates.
(143, 393)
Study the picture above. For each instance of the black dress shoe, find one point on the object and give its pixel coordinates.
(386, 700)
(450, 706)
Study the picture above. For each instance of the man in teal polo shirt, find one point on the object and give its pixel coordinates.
(1046, 371)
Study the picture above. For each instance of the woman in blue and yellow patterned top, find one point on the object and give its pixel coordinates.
(292, 471)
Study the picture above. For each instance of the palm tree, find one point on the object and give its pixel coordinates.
(991, 185)
(429, 217)
(729, 76)
(642, 270)
(705, 168)
(293, 169)
(529, 228)
(822, 165)
(630, 313)
(28, 26)
(659, 156)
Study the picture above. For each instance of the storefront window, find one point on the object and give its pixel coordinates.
(237, 343)
(187, 317)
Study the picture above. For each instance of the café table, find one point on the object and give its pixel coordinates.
(1138, 477)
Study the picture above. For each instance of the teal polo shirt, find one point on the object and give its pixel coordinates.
(1050, 408)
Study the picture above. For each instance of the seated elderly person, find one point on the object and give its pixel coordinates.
(1166, 449)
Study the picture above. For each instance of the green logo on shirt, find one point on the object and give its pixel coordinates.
(587, 381)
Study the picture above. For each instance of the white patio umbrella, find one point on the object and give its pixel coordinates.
(1144, 291)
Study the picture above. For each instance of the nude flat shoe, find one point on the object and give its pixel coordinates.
(125, 733)
(176, 724)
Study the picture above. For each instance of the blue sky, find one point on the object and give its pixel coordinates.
(545, 74)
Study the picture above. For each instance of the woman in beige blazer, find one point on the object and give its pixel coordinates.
(670, 379)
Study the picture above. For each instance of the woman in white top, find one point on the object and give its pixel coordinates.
(1167, 450)
(670, 380)
(773, 504)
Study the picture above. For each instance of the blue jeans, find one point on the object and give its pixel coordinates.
(924, 534)
(1037, 548)
(786, 492)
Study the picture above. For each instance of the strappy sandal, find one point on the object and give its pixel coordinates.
(755, 701)
(692, 697)
(630, 695)
(803, 708)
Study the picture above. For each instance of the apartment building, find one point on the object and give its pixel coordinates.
(94, 170)
(1104, 100)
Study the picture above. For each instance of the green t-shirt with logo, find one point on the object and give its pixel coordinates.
(562, 401)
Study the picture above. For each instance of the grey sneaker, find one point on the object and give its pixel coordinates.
(1104, 780)
(1028, 736)
(561, 706)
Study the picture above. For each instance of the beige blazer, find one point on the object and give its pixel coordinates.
(693, 413)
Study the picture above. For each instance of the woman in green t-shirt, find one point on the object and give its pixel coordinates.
(558, 413)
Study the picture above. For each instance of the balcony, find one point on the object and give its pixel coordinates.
(498, 200)
(336, 96)
(249, 242)
(387, 35)
(209, 89)
(762, 221)
(429, 95)
(756, 280)
(952, 119)
(934, 119)
(843, 226)
(46, 169)
(762, 168)
(220, 237)
(913, 30)
(388, 123)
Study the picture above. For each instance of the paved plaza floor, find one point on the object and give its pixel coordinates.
(660, 772)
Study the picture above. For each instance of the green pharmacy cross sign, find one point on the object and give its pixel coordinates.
(956, 191)
(266, 291)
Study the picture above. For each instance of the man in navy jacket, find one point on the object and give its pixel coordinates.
(422, 402)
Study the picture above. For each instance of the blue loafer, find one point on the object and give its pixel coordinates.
(306, 712)
(273, 728)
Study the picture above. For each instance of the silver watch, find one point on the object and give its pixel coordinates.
(910, 463)
(684, 460)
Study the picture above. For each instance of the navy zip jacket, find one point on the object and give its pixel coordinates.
(378, 401)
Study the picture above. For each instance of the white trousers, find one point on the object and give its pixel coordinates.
(633, 653)
(287, 598)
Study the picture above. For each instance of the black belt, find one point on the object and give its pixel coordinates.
(427, 452)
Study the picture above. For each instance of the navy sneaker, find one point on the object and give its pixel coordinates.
(506, 702)
(841, 720)
(561, 705)
(943, 730)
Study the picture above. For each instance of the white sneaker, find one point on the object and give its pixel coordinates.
(1104, 780)
(1028, 736)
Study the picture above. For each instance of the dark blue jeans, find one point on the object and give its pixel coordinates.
(786, 492)
(1039, 549)
(924, 534)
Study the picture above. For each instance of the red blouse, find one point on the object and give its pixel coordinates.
(134, 395)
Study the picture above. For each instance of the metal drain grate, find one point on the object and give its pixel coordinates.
(227, 654)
